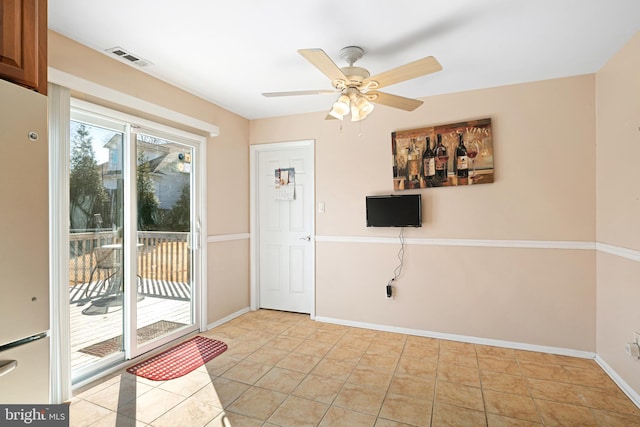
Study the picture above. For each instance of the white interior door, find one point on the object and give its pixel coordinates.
(285, 227)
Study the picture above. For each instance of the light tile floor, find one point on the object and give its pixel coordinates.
(283, 369)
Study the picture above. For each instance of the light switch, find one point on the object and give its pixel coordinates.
(321, 207)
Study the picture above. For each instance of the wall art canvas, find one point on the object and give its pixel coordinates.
(443, 155)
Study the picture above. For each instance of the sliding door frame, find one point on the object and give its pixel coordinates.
(59, 215)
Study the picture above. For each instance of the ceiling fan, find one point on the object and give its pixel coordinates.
(357, 88)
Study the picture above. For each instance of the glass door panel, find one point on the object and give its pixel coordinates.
(164, 225)
(132, 210)
(95, 245)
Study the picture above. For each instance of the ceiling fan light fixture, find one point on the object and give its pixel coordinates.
(355, 114)
(360, 108)
(364, 114)
(335, 114)
(340, 107)
(364, 106)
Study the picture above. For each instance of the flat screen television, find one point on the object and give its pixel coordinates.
(394, 211)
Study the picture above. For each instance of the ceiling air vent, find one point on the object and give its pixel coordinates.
(128, 56)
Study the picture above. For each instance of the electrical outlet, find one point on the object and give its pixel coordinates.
(633, 350)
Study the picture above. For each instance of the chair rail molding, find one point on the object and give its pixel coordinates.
(627, 253)
(228, 237)
(534, 244)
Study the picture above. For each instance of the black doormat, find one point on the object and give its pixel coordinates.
(146, 333)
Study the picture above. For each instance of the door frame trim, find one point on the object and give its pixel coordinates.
(59, 142)
(61, 104)
(254, 153)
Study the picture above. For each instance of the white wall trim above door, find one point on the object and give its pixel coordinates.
(253, 219)
(120, 98)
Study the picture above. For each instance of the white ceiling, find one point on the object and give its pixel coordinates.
(231, 52)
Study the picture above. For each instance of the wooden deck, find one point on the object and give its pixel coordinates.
(101, 318)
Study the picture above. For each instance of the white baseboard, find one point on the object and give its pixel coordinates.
(462, 338)
(228, 318)
(626, 388)
(635, 397)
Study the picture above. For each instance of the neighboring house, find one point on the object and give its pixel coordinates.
(161, 164)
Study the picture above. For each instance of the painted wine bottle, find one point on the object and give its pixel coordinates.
(429, 161)
(441, 160)
(462, 161)
(413, 165)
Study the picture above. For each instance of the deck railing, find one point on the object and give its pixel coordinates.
(161, 255)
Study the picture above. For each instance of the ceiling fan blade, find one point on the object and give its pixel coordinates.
(322, 62)
(408, 71)
(395, 101)
(299, 92)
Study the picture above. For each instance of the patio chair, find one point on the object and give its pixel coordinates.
(106, 269)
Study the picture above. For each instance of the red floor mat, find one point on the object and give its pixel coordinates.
(179, 360)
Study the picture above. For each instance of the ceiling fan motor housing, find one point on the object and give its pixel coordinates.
(356, 75)
(351, 54)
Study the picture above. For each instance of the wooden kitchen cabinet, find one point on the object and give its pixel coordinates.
(23, 43)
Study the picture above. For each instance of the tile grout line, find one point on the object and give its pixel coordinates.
(484, 401)
(530, 394)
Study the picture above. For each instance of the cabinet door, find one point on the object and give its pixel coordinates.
(28, 382)
(23, 43)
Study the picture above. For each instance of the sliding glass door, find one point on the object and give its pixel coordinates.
(96, 222)
(134, 237)
(164, 232)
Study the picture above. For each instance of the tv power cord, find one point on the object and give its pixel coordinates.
(398, 269)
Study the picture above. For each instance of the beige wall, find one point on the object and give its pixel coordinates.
(227, 155)
(618, 209)
(544, 143)
(526, 296)
(227, 261)
(544, 160)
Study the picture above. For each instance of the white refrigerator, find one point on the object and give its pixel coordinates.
(24, 247)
